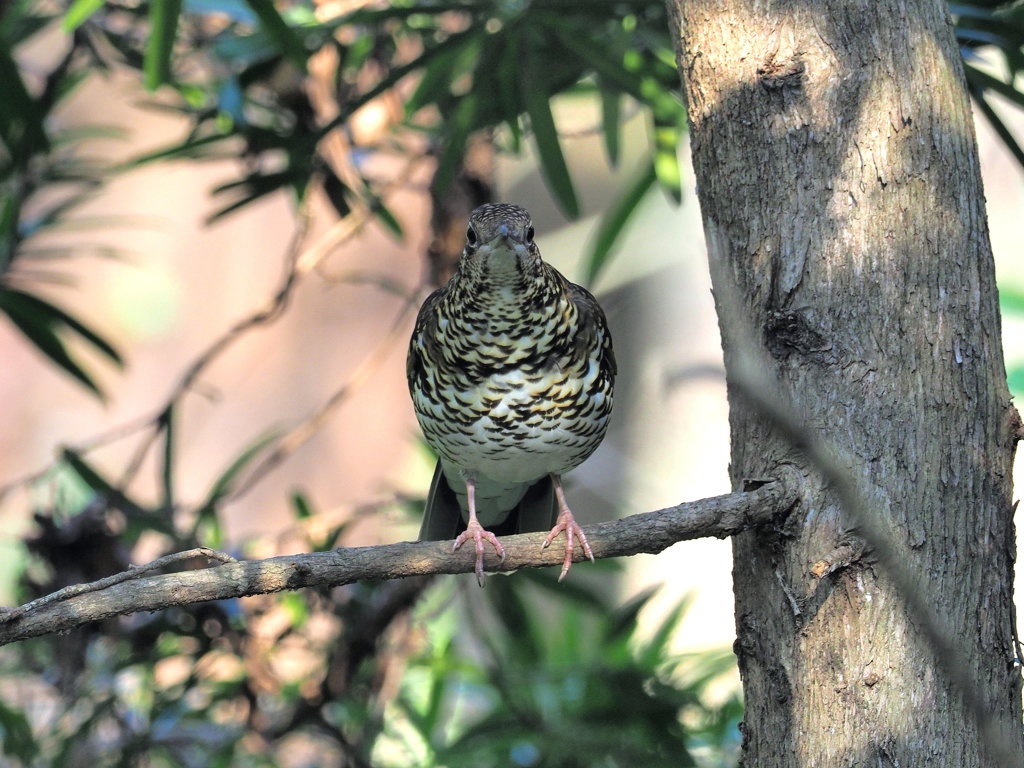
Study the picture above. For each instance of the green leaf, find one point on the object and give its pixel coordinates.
(703, 667)
(16, 735)
(40, 322)
(983, 80)
(666, 158)
(623, 620)
(656, 648)
(285, 40)
(387, 218)
(23, 20)
(460, 126)
(208, 531)
(545, 135)
(166, 422)
(301, 507)
(222, 486)
(102, 487)
(47, 342)
(78, 13)
(373, 17)
(163, 30)
(998, 126)
(613, 223)
(10, 208)
(506, 77)
(585, 596)
(256, 186)
(521, 632)
(21, 120)
(609, 68)
(400, 73)
(438, 74)
(611, 111)
(190, 149)
(296, 608)
(57, 316)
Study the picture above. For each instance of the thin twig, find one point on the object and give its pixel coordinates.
(794, 604)
(149, 423)
(298, 262)
(650, 532)
(135, 572)
(274, 307)
(113, 435)
(298, 435)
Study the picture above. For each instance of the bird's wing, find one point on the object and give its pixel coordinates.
(424, 337)
(593, 329)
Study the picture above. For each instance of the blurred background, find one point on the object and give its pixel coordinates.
(270, 193)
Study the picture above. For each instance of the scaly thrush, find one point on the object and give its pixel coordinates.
(511, 373)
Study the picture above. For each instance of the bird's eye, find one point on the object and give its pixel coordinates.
(529, 234)
(471, 236)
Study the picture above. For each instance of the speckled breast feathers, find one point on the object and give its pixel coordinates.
(510, 365)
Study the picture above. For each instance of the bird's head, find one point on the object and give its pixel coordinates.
(499, 247)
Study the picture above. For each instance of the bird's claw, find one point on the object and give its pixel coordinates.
(476, 532)
(566, 522)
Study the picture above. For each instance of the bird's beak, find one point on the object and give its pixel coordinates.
(503, 230)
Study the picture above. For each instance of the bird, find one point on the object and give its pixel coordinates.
(512, 373)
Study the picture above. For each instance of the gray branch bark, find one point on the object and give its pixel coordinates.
(649, 533)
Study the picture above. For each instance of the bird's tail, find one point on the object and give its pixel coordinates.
(443, 517)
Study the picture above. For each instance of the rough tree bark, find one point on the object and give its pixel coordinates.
(838, 180)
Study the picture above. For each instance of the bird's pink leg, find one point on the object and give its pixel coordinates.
(566, 522)
(476, 531)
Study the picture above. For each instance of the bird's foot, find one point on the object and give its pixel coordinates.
(566, 522)
(476, 532)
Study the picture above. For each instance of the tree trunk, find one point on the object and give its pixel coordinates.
(838, 180)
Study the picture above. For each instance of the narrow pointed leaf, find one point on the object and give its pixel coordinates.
(613, 223)
(999, 127)
(460, 127)
(623, 620)
(163, 31)
(21, 121)
(400, 73)
(18, 741)
(39, 329)
(191, 148)
(101, 486)
(506, 76)
(656, 647)
(285, 39)
(388, 219)
(79, 13)
(545, 135)
(611, 111)
(301, 507)
(666, 159)
(983, 80)
(167, 467)
(55, 316)
(223, 484)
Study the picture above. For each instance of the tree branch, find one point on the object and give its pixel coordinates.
(650, 532)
